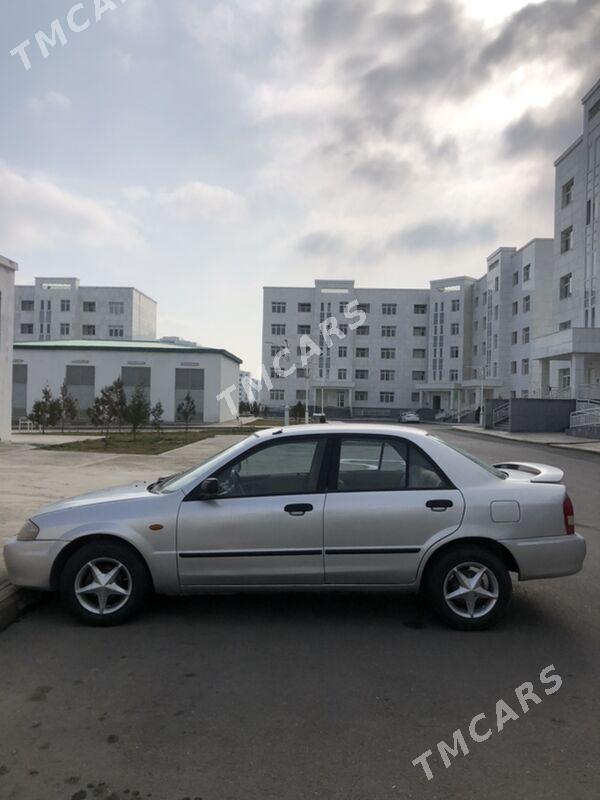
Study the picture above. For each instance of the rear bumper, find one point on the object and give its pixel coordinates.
(29, 563)
(547, 557)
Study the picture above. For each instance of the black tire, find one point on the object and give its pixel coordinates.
(440, 571)
(133, 579)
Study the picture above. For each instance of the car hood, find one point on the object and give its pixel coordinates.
(128, 492)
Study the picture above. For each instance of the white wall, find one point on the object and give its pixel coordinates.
(7, 310)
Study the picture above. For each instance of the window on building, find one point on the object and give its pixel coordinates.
(361, 397)
(388, 352)
(515, 278)
(420, 308)
(301, 372)
(565, 286)
(476, 301)
(342, 351)
(566, 240)
(495, 341)
(454, 352)
(361, 374)
(27, 305)
(366, 307)
(418, 375)
(278, 307)
(496, 283)
(343, 328)
(343, 307)
(526, 272)
(525, 366)
(455, 305)
(418, 352)
(387, 375)
(515, 308)
(415, 397)
(476, 325)
(564, 326)
(363, 330)
(389, 309)
(496, 312)
(388, 330)
(419, 331)
(303, 330)
(524, 394)
(275, 349)
(455, 329)
(342, 374)
(65, 329)
(277, 330)
(588, 212)
(475, 349)
(525, 336)
(514, 337)
(89, 306)
(116, 307)
(27, 328)
(362, 352)
(526, 303)
(65, 306)
(567, 193)
(495, 369)
(386, 397)
(300, 394)
(277, 394)
(453, 375)
(513, 367)
(116, 332)
(304, 308)
(89, 330)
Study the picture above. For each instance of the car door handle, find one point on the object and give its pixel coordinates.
(298, 509)
(439, 505)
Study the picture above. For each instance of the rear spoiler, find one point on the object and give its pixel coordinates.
(540, 473)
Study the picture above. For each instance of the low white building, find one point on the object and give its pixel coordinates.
(60, 309)
(166, 372)
(7, 311)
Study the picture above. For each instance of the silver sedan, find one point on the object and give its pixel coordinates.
(336, 507)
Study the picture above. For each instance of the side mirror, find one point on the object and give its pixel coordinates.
(209, 488)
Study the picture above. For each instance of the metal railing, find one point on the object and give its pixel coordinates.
(586, 417)
(500, 414)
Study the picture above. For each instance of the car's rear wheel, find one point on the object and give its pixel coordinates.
(469, 587)
(104, 583)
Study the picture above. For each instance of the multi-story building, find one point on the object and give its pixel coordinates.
(249, 389)
(59, 309)
(7, 310)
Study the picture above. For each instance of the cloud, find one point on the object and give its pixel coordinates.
(36, 213)
(333, 21)
(202, 200)
(49, 102)
(321, 243)
(442, 234)
(135, 194)
(383, 171)
(546, 133)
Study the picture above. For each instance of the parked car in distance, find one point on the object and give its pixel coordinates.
(408, 417)
(321, 507)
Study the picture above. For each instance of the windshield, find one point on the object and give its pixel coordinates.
(487, 467)
(183, 479)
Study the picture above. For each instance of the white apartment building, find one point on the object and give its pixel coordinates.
(7, 311)
(528, 328)
(60, 309)
(165, 372)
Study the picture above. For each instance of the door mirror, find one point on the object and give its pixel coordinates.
(208, 489)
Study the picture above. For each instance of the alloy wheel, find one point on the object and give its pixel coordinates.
(103, 586)
(471, 590)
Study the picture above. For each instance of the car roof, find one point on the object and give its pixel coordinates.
(347, 428)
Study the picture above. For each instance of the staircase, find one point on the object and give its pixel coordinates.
(585, 421)
(501, 417)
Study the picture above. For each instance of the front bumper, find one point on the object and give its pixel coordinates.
(548, 556)
(29, 563)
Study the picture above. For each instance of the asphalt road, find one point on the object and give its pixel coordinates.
(300, 696)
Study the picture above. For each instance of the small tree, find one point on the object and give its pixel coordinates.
(119, 401)
(69, 408)
(46, 412)
(187, 410)
(156, 417)
(102, 412)
(255, 409)
(137, 410)
(298, 411)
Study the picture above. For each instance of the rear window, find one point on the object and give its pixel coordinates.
(487, 467)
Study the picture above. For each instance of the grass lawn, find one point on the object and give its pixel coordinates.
(145, 443)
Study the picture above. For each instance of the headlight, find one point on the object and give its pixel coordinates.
(28, 532)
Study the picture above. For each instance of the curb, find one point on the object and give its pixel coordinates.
(553, 445)
(14, 602)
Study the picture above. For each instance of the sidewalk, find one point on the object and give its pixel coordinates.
(560, 440)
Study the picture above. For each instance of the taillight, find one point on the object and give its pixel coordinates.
(569, 515)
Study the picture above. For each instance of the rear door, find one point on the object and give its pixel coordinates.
(266, 524)
(386, 502)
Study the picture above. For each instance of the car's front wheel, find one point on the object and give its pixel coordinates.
(469, 587)
(104, 583)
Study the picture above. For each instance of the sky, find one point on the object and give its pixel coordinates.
(200, 150)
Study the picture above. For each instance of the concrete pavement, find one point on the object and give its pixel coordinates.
(555, 439)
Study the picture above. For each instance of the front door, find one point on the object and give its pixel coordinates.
(341, 399)
(265, 526)
(386, 503)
